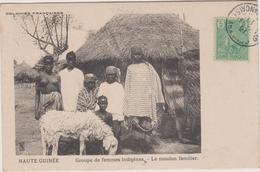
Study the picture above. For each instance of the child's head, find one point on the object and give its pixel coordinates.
(102, 102)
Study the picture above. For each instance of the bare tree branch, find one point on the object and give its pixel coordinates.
(44, 46)
(35, 25)
(49, 31)
(47, 52)
(26, 30)
(36, 31)
(56, 34)
(67, 30)
(61, 26)
(45, 29)
(47, 39)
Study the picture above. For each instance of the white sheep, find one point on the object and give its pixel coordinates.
(83, 125)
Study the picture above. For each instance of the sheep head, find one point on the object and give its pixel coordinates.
(110, 144)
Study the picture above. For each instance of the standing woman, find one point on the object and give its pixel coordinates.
(72, 80)
(143, 94)
(48, 96)
(143, 90)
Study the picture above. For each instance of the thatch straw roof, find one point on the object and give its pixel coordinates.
(24, 71)
(158, 34)
(21, 67)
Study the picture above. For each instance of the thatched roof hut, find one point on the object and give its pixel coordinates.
(18, 68)
(24, 73)
(165, 38)
(161, 35)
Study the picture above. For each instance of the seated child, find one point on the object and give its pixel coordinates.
(96, 146)
(102, 113)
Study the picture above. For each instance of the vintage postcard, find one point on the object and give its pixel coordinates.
(130, 85)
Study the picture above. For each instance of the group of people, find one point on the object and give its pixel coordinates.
(136, 102)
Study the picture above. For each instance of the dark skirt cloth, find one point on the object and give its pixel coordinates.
(51, 101)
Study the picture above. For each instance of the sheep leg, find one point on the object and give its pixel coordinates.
(55, 145)
(44, 147)
(44, 142)
(54, 151)
(82, 145)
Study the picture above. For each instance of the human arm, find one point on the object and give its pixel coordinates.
(121, 97)
(81, 102)
(109, 120)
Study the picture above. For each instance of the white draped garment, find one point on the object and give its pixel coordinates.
(71, 84)
(143, 91)
(115, 97)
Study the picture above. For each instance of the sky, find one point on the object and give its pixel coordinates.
(89, 17)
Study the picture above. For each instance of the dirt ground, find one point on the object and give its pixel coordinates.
(28, 136)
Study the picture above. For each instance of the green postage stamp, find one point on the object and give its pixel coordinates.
(237, 32)
(226, 47)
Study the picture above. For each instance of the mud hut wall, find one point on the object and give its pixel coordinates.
(98, 67)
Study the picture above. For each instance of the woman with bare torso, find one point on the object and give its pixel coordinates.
(48, 96)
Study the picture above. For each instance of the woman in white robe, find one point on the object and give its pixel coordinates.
(71, 83)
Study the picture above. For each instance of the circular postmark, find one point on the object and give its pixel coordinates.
(241, 24)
